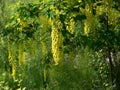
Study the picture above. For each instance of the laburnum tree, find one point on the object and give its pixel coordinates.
(101, 29)
(67, 26)
(104, 37)
(25, 23)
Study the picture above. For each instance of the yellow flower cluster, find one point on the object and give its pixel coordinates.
(22, 53)
(57, 40)
(71, 26)
(79, 1)
(90, 22)
(13, 71)
(44, 49)
(11, 58)
(55, 10)
(100, 9)
(24, 24)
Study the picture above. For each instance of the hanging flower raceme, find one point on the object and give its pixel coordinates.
(71, 26)
(22, 53)
(11, 58)
(88, 24)
(57, 42)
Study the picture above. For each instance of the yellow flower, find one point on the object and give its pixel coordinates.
(24, 24)
(71, 27)
(52, 7)
(79, 1)
(56, 43)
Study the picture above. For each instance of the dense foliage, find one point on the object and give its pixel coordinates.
(60, 45)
